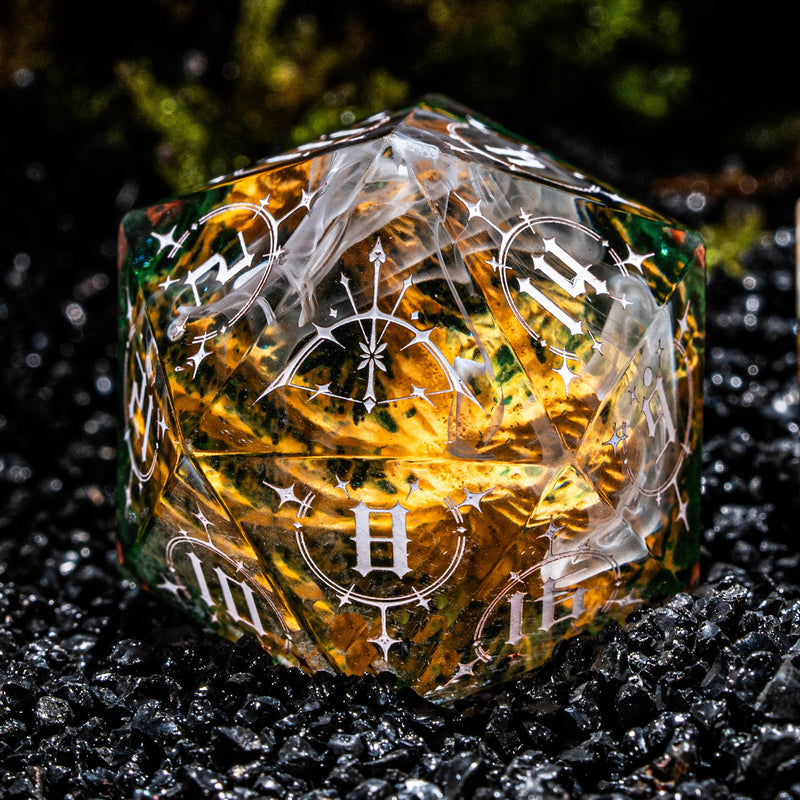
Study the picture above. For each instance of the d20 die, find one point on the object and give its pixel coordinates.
(414, 397)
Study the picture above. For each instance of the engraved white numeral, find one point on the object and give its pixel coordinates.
(397, 539)
(225, 583)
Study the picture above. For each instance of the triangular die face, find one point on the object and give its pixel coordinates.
(193, 552)
(380, 358)
(571, 307)
(203, 264)
(345, 537)
(150, 444)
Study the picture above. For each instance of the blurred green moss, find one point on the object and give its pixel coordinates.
(195, 88)
(297, 71)
(284, 86)
(729, 241)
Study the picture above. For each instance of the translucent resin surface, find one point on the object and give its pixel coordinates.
(414, 397)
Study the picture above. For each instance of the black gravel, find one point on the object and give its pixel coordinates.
(107, 693)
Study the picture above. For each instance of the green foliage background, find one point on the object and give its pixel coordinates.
(636, 90)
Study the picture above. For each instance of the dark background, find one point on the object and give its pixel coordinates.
(690, 107)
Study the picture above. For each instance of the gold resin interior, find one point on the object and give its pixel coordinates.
(419, 398)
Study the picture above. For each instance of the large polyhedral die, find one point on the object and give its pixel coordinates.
(414, 397)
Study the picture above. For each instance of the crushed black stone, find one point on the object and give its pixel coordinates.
(107, 693)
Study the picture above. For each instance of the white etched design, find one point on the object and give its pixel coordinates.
(371, 326)
(472, 137)
(141, 400)
(655, 405)
(559, 599)
(558, 272)
(399, 544)
(225, 285)
(242, 598)
(145, 424)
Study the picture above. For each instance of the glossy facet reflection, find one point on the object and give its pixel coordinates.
(416, 397)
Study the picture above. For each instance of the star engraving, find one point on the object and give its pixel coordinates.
(623, 301)
(385, 642)
(170, 586)
(166, 240)
(307, 197)
(473, 209)
(163, 428)
(550, 535)
(420, 391)
(167, 282)
(463, 671)
(197, 358)
(567, 375)
(683, 506)
(474, 498)
(204, 521)
(322, 389)
(683, 322)
(346, 597)
(422, 601)
(628, 600)
(615, 439)
(636, 260)
(287, 495)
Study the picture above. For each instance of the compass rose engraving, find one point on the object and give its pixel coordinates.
(375, 330)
